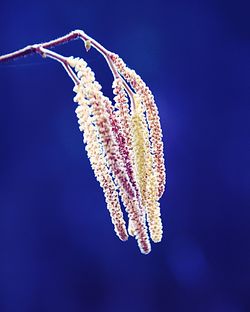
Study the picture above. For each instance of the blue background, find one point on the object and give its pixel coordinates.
(58, 250)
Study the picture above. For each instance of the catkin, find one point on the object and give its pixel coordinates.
(152, 118)
(101, 171)
(89, 90)
(145, 171)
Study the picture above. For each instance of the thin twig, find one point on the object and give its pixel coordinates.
(61, 59)
(76, 34)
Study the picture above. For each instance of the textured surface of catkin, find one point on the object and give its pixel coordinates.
(145, 170)
(98, 164)
(153, 119)
(90, 90)
(123, 136)
(122, 113)
(119, 173)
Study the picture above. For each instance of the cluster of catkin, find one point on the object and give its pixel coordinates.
(123, 140)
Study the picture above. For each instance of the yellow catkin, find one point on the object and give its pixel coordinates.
(145, 171)
(139, 151)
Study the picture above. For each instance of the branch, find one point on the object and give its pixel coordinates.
(31, 49)
(76, 34)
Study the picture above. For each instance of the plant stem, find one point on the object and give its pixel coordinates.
(30, 49)
(76, 34)
(61, 59)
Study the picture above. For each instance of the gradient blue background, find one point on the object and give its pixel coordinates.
(58, 250)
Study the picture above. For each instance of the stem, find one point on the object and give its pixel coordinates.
(31, 49)
(61, 59)
(36, 48)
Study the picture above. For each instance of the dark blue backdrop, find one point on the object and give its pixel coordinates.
(58, 248)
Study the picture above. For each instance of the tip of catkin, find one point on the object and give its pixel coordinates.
(72, 61)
